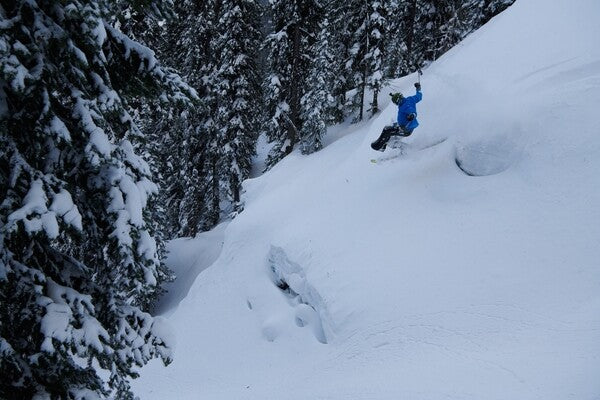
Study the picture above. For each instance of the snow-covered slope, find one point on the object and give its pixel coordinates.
(409, 279)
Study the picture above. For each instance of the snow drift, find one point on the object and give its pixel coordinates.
(468, 270)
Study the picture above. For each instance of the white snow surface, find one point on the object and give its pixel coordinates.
(409, 279)
(187, 257)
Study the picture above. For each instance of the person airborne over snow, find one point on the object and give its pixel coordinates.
(406, 121)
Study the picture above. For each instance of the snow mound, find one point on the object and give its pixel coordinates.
(308, 305)
(489, 156)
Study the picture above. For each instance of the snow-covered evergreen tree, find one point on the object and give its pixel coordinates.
(294, 26)
(489, 9)
(198, 57)
(184, 146)
(400, 37)
(366, 24)
(318, 103)
(339, 41)
(441, 24)
(377, 35)
(238, 79)
(356, 67)
(78, 262)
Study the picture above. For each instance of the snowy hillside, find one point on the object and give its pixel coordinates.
(411, 278)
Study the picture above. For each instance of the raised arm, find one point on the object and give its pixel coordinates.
(418, 96)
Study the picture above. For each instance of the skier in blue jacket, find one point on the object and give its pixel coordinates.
(406, 120)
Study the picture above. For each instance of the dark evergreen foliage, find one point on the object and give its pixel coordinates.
(294, 26)
(185, 150)
(317, 102)
(238, 87)
(78, 260)
(203, 153)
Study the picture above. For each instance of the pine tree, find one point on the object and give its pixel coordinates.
(294, 26)
(198, 56)
(318, 104)
(357, 18)
(238, 115)
(366, 24)
(441, 24)
(489, 9)
(450, 27)
(400, 37)
(336, 12)
(377, 26)
(184, 149)
(78, 261)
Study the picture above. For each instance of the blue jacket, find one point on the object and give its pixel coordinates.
(409, 106)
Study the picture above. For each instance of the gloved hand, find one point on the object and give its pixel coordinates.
(410, 116)
(418, 85)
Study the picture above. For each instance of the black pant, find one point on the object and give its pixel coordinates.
(387, 133)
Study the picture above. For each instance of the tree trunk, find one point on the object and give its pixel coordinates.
(235, 188)
(362, 93)
(295, 90)
(215, 197)
(411, 34)
(363, 84)
(375, 104)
